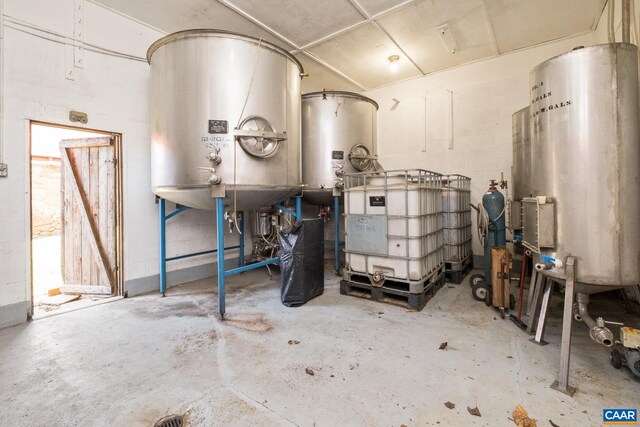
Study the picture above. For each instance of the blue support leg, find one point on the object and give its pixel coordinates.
(298, 208)
(220, 239)
(241, 226)
(336, 219)
(163, 246)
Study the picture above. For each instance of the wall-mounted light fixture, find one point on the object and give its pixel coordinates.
(447, 38)
(393, 63)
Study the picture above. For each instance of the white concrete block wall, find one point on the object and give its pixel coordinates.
(485, 95)
(114, 93)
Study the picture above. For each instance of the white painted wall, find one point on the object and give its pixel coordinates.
(114, 93)
(485, 95)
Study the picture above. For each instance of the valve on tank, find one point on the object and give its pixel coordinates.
(214, 156)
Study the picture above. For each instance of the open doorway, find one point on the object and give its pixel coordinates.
(76, 214)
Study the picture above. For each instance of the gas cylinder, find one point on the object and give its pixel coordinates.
(493, 202)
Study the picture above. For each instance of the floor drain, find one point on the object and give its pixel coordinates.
(170, 421)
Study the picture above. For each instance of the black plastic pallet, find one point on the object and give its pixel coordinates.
(390, 295)
(458, 276)
(412, 286)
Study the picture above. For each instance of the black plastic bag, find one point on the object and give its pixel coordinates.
(302, 262)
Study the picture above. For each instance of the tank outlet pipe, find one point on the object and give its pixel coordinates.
(598, 331)
(548, 263)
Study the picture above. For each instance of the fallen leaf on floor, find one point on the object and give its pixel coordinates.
(509, 357)
(494, 318)
(382, 312)
(474, 411)
(403, 425)
(553, 424)
(521, 417)
(449, 405)
(291, 342)
(309, 371)
(443, 345)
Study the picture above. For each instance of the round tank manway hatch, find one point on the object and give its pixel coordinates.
(360, 158)
(258, 146)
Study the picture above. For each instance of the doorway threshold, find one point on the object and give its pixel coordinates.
(75, 306)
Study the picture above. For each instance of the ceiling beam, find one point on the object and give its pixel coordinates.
(333, 35)
(259, 23)
(492, 34)
(332, 68)
(297, 49)
(358, 24)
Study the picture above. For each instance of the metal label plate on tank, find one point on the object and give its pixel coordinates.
(367, 234)
(337, 155)
(377, 201)
(218, 126)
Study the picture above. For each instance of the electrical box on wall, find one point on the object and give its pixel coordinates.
(4, 170)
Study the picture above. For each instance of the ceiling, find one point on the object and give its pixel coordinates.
(345, 44)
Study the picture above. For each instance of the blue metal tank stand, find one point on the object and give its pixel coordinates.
(336, 218)
(163, 217)
(222, 273)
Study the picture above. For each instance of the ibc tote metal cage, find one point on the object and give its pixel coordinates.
(394, 229)
(456, 199)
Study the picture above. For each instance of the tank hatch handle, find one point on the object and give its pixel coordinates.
(242, 133)
(361, 158)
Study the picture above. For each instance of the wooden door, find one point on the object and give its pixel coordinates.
(89, 213)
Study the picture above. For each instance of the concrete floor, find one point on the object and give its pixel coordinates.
(133, 361)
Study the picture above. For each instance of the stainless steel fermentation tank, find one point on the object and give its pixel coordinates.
(521, 171)
(338, 137)
(585, 158)
(225, 115)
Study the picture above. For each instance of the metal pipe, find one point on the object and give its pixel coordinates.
(544, 266)
(163, 246)
(194, 254)
(583, 302)
(2, 91)
(336, 218)
(299, 208)
(220, 240)
(626, 21)
(597, 329)
(251, 266)
(241, 246)
(287, 210)
(176, 212)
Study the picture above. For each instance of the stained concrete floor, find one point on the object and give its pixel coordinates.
(133, 361)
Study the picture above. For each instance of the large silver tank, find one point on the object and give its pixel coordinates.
(200, 82)
(337, 127)
(586, 157)
(521, 172)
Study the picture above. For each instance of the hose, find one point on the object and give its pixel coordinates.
(483, 222)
